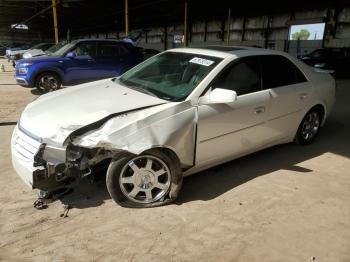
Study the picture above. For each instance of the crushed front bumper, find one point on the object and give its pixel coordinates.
(24, 150)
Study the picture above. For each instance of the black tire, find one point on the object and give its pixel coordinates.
(309, 127)
(47, 82)
(115, 171)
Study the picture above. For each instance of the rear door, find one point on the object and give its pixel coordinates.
(112, 58)
(82, 67)
(289, 91)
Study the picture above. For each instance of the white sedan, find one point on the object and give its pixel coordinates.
(177, 113)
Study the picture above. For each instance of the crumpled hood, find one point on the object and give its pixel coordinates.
(53, 117)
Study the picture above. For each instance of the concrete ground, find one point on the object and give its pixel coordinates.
(286, 203)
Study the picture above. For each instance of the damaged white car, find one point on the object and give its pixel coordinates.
(175, 114)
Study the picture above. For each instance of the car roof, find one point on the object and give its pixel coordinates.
(226, 51)
(96, 39)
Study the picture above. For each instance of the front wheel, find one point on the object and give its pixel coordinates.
(47, 82)
(309, 127)
(146, 180)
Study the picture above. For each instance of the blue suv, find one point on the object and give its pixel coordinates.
(77, 62)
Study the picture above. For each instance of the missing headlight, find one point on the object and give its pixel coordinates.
(74, 153)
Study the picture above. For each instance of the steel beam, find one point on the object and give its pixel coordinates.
(185, 25)
(126, 18)
(55, 26)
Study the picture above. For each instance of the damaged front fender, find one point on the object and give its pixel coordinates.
(172, 125)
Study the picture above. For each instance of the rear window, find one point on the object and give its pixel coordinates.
(111, 49)
(337, 53)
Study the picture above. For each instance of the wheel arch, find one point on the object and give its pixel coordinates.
(322, 109)
(169, 151)
(46, 70)
(318, 106)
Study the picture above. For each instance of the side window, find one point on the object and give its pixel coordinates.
(338, 53)
(317, 53)
(85, 49)
(242, 77)
(111, 49)
(278, 71)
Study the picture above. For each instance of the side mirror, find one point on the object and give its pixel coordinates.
(71, 55)
(219, 95)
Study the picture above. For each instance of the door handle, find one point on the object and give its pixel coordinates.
(302, 96)
(259, 110)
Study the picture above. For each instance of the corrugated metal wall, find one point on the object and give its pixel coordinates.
(271, 32)
(264, 31)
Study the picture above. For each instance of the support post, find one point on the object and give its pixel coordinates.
(165, 38)
(55, 27)
(243, 28)
(185, 25)
(267, 31)
(222, 31)
(228, 27)
(126, 18)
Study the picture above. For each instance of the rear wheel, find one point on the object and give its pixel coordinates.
(147, 180)
(47, 82)
(309, 127)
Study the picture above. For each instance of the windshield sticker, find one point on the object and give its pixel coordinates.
(201, 61)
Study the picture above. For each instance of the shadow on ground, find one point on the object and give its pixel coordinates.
(35, 91)
(216, 181)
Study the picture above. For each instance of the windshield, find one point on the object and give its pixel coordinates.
(63, 50)
(171, 75)
(55, 47)
(36, 46)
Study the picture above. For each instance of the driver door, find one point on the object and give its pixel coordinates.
(228, 130)
(82, 67)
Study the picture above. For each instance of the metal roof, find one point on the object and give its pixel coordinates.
(84, 17)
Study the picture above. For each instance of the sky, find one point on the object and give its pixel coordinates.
(314, 29)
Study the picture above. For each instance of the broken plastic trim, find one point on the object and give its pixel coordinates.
(99, 123)
(38, 157)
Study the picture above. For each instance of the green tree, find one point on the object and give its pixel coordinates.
(303, 34)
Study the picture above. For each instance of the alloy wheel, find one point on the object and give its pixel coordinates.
(48, 83)
(145, 179)
(310, 126)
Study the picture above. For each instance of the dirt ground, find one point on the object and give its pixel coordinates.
(287, 203)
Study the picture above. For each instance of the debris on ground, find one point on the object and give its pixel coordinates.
(66, 209)
(40, 204)
(46, 197)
